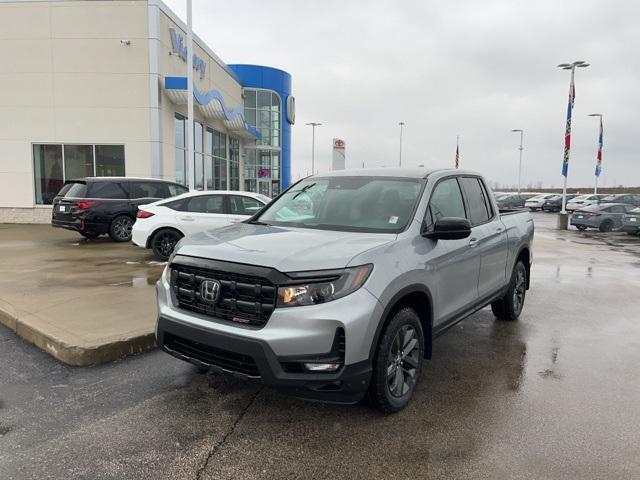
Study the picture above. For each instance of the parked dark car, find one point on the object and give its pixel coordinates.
(554, 204)
(605, 217)
(95, 206)
(511, 200)
(627, 198)
(631, 222)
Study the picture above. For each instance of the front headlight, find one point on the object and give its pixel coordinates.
(313, 293)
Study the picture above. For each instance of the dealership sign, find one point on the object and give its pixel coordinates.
(178, 46)
(338, 158)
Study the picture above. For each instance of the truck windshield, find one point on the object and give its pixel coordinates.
(358, 204)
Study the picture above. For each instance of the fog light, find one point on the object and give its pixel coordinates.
(322, 367)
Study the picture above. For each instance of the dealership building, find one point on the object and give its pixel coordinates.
(99, 88)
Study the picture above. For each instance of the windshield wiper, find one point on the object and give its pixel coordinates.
(257, 222)
(304, 189)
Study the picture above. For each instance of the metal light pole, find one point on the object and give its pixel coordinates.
(520, 164)
(401, 125)
(191, 162)
(599, 154)
(567, 134)
(313, 145)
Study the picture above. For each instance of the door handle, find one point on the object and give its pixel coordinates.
(187, 219)
(473, 242)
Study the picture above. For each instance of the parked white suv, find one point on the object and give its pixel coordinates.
(161, 224)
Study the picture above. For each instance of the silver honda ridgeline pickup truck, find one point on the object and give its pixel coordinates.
(339, 286)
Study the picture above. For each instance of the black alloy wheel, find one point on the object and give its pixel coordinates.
(163, 242)
(402, 361)
(606, 226)
(120, 228)
(510, 306)
(398, 362)
(582, 228)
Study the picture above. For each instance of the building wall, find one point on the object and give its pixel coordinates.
(66, 77)
(217, 76)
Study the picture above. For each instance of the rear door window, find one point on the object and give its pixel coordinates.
(617, 209)
(243, 205)
(110, 190)
(478, 209)
(206, 204)
(175, 189)
(149, 190)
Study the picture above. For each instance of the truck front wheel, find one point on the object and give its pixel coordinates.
(510, 306)
(398, 362)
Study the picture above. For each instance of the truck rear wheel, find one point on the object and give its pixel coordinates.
(398, 362)
(510, 306)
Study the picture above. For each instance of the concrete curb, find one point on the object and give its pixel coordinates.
(78, 355)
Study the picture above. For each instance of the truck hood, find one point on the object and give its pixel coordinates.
(286, 249)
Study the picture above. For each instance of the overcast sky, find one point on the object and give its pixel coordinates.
(477, 69)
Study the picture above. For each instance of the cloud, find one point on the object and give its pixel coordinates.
(477, 69)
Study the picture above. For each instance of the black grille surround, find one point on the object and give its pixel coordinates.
(247, 293)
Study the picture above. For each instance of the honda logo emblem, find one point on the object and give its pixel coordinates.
(210, 291)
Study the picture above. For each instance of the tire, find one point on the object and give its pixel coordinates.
(582, 228)
(606, 226)
(120, 228)
(398, 362)
(89, 235)
(510, 306)
(164, 241)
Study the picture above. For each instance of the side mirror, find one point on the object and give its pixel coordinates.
(449, 228)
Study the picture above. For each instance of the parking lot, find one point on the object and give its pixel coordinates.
(554, 395)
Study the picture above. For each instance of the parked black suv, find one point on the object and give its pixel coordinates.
(94, 206)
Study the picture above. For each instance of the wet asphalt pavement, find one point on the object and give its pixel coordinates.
(554, 395)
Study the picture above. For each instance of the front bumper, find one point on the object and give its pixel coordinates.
(253, 359)
(291, 337)
(631, 228)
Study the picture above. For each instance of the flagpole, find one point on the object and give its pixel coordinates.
(457, 151)
(599, 154)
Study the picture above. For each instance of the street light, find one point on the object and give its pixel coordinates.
(599, 154)
(401, 125)
(567, 135)
(520, 164)
(313, 145)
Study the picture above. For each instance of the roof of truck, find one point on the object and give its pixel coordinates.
(393, 172)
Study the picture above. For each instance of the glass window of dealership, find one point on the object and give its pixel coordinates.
(217, 155)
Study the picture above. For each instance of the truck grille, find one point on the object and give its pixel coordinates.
(241, 298)
(230, 361)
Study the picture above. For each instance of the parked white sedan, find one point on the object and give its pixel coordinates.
(583, 201)
(161, 224)
(536, 203)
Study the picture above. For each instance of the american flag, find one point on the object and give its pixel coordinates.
(457, 152)
(599, 156)
(567, 132)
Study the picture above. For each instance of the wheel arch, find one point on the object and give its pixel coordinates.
(420, 299)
